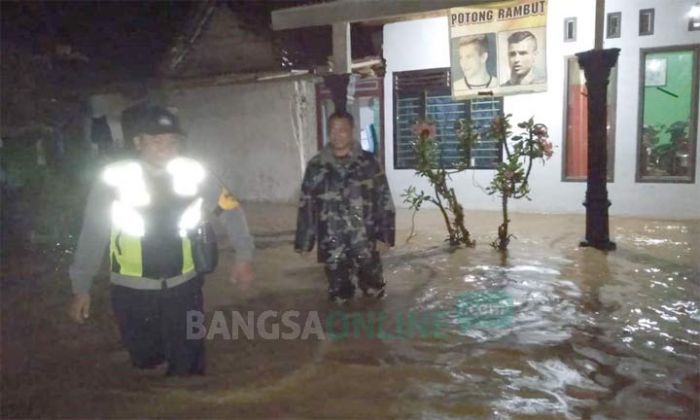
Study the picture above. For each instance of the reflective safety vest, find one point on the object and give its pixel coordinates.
(152, 214)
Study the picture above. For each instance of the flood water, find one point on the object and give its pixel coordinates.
(581, 334)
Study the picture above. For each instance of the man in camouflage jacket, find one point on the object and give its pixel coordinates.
(346, 207)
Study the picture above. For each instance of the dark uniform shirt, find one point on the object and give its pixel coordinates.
(345, 204)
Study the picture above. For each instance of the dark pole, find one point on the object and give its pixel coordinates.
(338, 85)
(596, 65)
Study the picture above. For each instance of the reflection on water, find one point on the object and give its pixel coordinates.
(588, 334)
(585, 334)
(614, 335)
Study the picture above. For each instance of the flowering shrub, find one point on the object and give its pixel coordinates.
(512, 175)
(426, 150)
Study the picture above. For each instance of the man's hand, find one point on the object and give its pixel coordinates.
(382, 247)
(79, 309)
(242, 273)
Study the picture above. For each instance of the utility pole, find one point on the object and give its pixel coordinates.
(337, 81)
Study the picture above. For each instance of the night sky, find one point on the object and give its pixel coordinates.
(126, 40)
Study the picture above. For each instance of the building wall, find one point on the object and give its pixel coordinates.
(257, 137)
(429, 48)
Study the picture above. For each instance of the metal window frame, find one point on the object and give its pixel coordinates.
(652, 21)
(692, 127)
(608, 33)
(570, 21)
(395, 119)
(693, 24)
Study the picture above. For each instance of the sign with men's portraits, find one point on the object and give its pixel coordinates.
(498, 48)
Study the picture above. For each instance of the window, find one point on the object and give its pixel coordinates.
(668, 101)
(694, 18)
(570, 29)
(427, 94)
(694, 24)
(575, 146)
(646, 22)
(614, 26)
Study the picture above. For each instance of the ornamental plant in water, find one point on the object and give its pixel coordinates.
(426, 149)
(512, 175)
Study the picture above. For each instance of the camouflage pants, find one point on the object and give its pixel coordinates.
(344, 264)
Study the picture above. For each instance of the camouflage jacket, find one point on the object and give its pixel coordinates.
(344, 204)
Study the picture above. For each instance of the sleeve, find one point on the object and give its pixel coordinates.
(306, 217)
(237, 228)
(93, 240)
(224, 204)
(385, 215)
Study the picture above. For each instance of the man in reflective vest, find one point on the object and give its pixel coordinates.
(146, 210)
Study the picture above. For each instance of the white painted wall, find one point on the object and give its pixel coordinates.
(256, 136)
(423, 44)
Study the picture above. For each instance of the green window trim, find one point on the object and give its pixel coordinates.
(667, 115)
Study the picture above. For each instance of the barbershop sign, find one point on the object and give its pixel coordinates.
(498, 48)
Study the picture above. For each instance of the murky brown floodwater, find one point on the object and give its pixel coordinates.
(586, 334)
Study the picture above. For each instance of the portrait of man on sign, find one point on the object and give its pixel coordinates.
(476, 56)
(524, 53)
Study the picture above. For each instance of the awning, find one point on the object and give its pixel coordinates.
(359, 11)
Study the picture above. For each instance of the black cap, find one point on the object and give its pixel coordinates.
(157, 120)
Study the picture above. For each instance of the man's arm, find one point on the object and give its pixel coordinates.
(385, 214)
(92, 243)
(223, 203)
(306, 216)
(239, 234)
(93, 240)
(233, 218)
